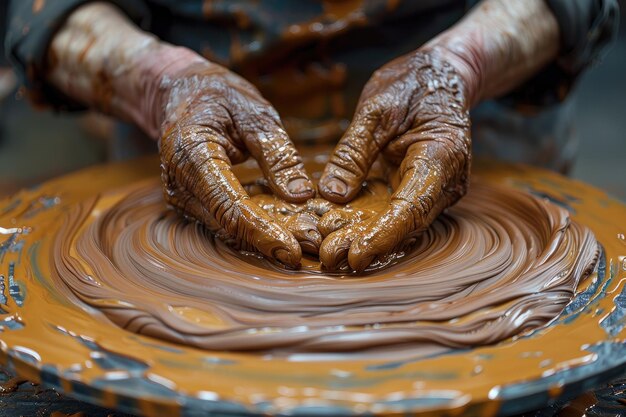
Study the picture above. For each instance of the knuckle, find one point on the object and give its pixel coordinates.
(350, 158)
(372, 107)
(420, 210)
(283, 158)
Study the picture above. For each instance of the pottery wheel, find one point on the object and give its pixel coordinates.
(106, 301)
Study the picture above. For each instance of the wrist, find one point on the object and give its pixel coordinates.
(467, 64)
(152, 77)
(499, 45)
(101, 59)
(88, 59)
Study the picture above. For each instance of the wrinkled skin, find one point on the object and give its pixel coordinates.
(413, 110)
(314, 220)
(213, 119)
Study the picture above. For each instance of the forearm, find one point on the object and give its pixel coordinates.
(499, 45)
(101, 59)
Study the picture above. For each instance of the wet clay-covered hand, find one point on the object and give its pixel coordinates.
(205, 117)
(213, 119)
(414, 111)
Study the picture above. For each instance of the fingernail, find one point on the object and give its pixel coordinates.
(337, 186)
(284, 257)
(311, 243)
(299, 186)
(359, 266)
(309, 247)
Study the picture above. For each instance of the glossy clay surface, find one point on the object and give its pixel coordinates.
(57, 281)
(498, 263)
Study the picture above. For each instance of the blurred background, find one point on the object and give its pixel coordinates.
(601, 120)
(39, 144)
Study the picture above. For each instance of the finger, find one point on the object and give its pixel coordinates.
(340, 218)
(334, 249)
(199, 181)
(352, 158)
(431, 179)
(386, 232)
(278, 158)
(304, 227)
(334, 220)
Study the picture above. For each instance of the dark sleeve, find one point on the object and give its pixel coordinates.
(586, 28)
(31, 24)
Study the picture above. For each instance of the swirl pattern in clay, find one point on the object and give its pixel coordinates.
(499, 263)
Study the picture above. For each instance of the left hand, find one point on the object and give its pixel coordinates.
(415, 111)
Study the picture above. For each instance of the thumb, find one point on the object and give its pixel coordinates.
(352, 158)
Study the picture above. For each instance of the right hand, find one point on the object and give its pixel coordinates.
(212, 119)
(415, 111)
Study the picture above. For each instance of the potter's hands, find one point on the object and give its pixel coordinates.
(415, 112)
(205, 118)
(213, 119)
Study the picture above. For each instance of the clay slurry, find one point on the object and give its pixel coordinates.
(498, 263)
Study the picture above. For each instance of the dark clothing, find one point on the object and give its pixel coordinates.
(586, 28)
(309, 58)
